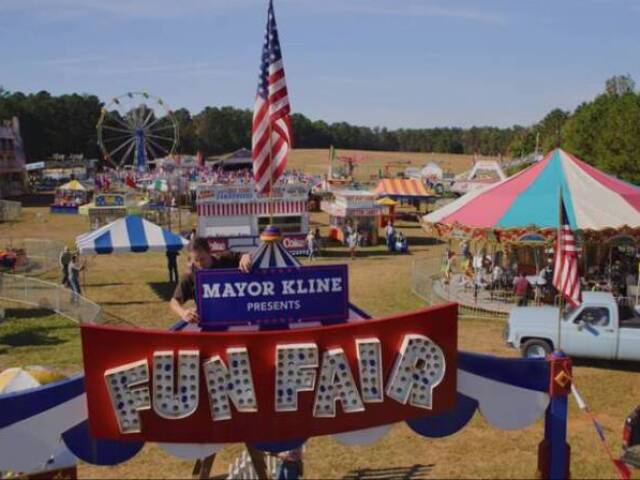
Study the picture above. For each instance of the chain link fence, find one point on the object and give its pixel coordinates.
(42, 294)
(10, 211)
(34, 256)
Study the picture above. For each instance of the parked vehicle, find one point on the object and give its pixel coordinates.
(597, 328)
(631, 439)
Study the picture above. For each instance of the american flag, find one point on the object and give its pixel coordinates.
(565, 276)
(271, 131)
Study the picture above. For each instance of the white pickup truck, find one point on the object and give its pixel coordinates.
(597, 328)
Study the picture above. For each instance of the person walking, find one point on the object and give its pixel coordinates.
(352, 242)
(290, 466)
(63, 261)
(74, 269)
(391, 236)
(311, 245)
(172, 265)
(521, 289)
(318, 239)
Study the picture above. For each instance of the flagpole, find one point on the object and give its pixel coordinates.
(270, 170)
(558, 233)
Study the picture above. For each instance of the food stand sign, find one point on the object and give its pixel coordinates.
(246, 193)
(273, 296)
(109, 200)
(269, 386)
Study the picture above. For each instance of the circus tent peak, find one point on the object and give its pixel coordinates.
(594, 200)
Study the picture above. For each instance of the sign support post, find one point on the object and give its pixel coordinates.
(554, 453)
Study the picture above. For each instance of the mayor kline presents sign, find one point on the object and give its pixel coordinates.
(274, 296)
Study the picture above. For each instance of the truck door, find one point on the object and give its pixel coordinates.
(592, 333)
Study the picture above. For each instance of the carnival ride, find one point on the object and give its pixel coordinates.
(136, 128)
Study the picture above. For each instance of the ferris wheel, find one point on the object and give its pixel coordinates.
(136, 128)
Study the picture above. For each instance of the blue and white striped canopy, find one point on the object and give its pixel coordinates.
(273, 254)
(130, 234)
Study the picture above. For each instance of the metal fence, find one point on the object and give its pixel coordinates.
(38, 293)
(426, 283)
(242, 467)
(10, 211)
(41, 254)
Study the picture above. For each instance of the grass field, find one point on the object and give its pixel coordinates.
(316, 161)
(133, 287)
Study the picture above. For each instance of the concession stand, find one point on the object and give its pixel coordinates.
(356, 210)
(232, 216)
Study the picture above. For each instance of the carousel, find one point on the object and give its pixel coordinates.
(510, 227)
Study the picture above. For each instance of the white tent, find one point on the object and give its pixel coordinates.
(431, 170)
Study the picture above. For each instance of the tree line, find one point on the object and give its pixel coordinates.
(604, 131)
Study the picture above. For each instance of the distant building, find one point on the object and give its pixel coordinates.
(13, 170)
(238, 160)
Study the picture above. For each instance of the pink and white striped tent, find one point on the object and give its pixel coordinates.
(594, 200)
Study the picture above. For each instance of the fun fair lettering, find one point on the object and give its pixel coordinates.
(419, 367)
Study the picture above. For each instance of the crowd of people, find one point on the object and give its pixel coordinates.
(482, 271)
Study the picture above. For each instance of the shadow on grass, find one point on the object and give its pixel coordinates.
(34, 199)
(36, 335)
(107, 284)
(430, 241)
(132, 302)
(14, 313)
(359, 254)
(403, 473)
(623, 366)
(163, 290)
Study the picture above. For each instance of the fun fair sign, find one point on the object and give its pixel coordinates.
(266, 386)
(274, 296)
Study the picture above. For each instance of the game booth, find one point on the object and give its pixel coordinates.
(70, 197)
(389, 210)
(108, 207)
(280, 356)
(356, 210)
(232, 216)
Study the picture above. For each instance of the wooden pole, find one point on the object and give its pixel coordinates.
(258, 461)
(202, 468)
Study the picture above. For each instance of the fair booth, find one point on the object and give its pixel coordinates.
(353, 210)
(232, 216)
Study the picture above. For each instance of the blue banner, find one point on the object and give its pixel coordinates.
(272, 297)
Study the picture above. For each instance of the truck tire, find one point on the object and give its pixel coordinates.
(535, 348)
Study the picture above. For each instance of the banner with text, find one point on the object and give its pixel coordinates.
(274, 296)
(269, 386)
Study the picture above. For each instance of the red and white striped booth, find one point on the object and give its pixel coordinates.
(232, 216)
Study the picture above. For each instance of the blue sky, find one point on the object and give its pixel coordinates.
(394, 63)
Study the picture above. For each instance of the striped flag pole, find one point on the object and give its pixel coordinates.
(558, 235)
